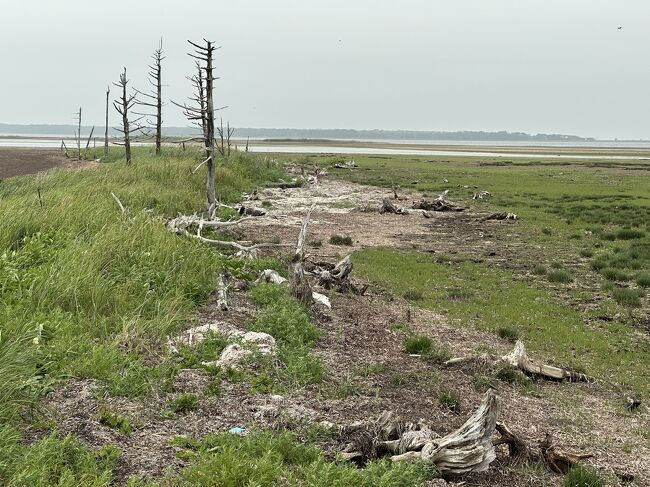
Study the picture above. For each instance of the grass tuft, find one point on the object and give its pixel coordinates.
(580, 476)
(341, 240)
(560, 276)
(417, 344)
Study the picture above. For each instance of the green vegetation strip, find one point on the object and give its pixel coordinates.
(492, 299)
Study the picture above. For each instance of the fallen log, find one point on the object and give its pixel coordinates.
(519, 358)
(388, 206)
(501, 216)
(469, 448)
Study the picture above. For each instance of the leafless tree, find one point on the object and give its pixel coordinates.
(77, 117)
(108, 92)
(154, 99)
(123, 105)
(224, 136)
(202, 111)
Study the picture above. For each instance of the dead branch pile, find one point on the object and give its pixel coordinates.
(439, 204)
(192, 226)
(519, 358)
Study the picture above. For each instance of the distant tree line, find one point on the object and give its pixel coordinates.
(328, 134)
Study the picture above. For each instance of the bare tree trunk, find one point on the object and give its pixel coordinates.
(123, 106)
(203, 114)
(209, 100)
(79, 135)
(108, 92)
(158, 58)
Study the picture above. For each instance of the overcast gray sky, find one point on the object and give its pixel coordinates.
(518, 65)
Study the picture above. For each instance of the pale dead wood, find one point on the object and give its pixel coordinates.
(388, 206)
(108, 93)
(556, 459)
(299, 284)
(222, 293)
(519, 358)
(467, 449)
(119, 203)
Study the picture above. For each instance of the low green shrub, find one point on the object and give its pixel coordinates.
(115, 420)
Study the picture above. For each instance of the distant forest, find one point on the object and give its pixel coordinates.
(348, 134)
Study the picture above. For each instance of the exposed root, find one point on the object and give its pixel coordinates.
(468, 449)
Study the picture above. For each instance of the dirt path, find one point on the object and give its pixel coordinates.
(20, 161)
(362, 347)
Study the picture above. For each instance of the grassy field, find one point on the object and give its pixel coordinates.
(89, 292)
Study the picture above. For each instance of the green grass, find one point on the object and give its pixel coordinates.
(417, 344)
(86, 291)
(627, 297)
(580, 476)
(54, 460)
(267, 459)
(341, 240)
(560, 276)
(114, 420)
(185, 403)
(450, 400)
(552, 331)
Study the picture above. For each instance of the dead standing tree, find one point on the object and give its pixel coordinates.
(202, 113)
(108, 93)
(225, 136)
(77, 117)
(123, 105)
(155, 78)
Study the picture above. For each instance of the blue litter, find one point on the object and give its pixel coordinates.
(238, 430)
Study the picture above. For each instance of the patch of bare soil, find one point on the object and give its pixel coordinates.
(362, 346)
(20, 161)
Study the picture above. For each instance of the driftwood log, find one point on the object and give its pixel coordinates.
(335, 276)
(501, 216)
(468, 449)
(387, 206)
(519, 358)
